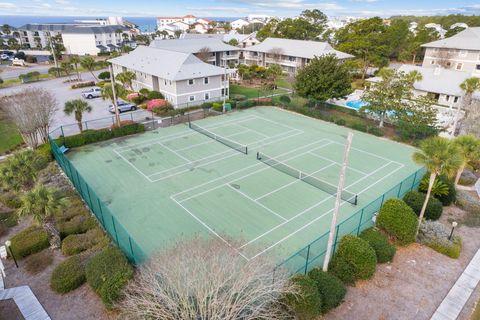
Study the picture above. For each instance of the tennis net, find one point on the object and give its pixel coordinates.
(229, 143)
(307, 178)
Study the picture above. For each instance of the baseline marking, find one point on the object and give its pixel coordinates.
(337, 163)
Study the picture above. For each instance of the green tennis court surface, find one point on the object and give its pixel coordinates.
(178, 181)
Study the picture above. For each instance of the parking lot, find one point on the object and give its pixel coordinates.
(63, 93)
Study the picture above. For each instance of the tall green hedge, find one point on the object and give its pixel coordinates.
(415, 201)
(383, 249)
(398, 220)
(355, 259)
(68, 275)
(92, 136)
(307, 303)
(331, 289)
(28, 241)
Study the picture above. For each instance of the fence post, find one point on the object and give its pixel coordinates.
(414, 178)
(400, 189)
(63, 134)
(86, 125)
(335, 242)
(89, 198)
(131, 116)
(79, 185)
(360, 222)
(308, 256)
(383, 199)
(101, 213)
(131, 249)
(115, 230)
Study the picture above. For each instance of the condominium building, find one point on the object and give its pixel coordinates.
(209, 49)
(182, 78)
(291, 55)
(165, 21)
(460, 52)
(244, 40)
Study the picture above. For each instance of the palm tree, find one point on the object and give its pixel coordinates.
(126, 78)
(66, 67)
(20, 170)
(6, 29)
(439, 156)
(469, 87)
(77, 107)
(75, 60)
(42, 203)
(89, 64)
(469, 148)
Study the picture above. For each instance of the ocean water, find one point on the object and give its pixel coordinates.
(146, 24)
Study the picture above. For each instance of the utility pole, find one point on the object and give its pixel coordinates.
(224, 85)
(341, 183)
(114, 96)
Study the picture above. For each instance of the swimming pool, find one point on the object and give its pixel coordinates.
(356, 104)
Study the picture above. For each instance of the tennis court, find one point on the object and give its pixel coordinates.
(264, 177)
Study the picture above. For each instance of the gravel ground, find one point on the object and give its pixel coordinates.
(414, 284)
(81, 303)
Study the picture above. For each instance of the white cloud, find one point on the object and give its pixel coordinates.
(62, 1)
(7, 5)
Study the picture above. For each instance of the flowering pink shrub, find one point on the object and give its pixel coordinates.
(156, 103)
(132, 96)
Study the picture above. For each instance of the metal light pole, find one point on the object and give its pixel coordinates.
(341, 183)
(8, 243)
(454, 224)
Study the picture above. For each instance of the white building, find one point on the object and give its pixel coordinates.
(182, 78)
(436, 27)
(164, 21)
(239, 23)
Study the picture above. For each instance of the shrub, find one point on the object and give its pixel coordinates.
(340, 122)
(8, 219)
(217, 106)
(263, 101)
(55, 71)
(105, 75)
(359, 126)
(30, 59)
(28, 241)
(245, 104)
(383, 249)
(415, 201)
(45, 151)
(38, 262)
(238, 97)
(92, 136)
(156, 103)
(10, 200)
(138, 100)
(144, 92)
(331, 289)
(285, 99)
(77, 243)
(358, 255)
(435, 235)
(233, 103)
(107, 273)
(68, 275)
(307, 303)
(206, 105)
(77, 224)
(376, 131)
(154, 95)
(448, 199)
(398, 220)
(83, 84)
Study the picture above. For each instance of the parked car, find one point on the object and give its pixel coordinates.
(122, 107)
(94, 92)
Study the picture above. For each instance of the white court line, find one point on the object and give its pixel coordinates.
(234, 153)
(252, 130)
(211, 141)
(337, 163)
(264, 167)
(303, 227)
(254, 201)
(210, 229)
(174, 152)
(314, 206)
(293, 182)
(372, 154)
(134, 167)
(275, 122)
(182, 134)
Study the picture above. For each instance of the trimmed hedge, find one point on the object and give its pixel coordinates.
(383, 249)
(78, 224)
(28, 241)
(92, 136)
(77, 243)
(398, 220)
(83, 85)
(68, 275)
(307, 304)
(331, 289)
(415, 201)
(154, 95)
(108, 272)
(355, 259)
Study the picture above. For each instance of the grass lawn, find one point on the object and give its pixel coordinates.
(476, 313)
(251, 93)
(9, 133)
(284, 83)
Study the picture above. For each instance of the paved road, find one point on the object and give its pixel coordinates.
(8, 72)
(63, 93)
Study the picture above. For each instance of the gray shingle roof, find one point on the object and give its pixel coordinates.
(298, 48)
(73, 28)
(192, 45)
(166, 64)
(468, 39)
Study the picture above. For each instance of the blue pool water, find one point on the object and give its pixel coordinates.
(356, 104)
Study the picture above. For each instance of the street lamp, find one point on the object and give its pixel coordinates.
(454, 224)
(8, 243)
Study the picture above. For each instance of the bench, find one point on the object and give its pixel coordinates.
(63, 149)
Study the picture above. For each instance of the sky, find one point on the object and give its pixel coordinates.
(235, 8)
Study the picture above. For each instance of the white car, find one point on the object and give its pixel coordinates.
(94, 92)
(122, 107)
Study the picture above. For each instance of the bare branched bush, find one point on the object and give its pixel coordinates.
(276, 54)
(206, 279)
(204, 54)
(443, 58)
(32, 111)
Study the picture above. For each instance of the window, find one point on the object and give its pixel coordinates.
(459, 66)
(205, 80)
(223, 92)
(448, 64)
(455, 100)
(191, 82)
(207, 95)
(191, 98)
(478, 67)
(432, 62)
(292, 59)
(165, 81)
(447, 98)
